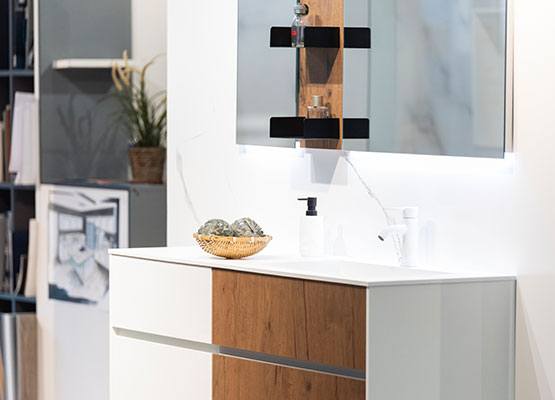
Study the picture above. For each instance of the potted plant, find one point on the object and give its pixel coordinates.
(144, 116)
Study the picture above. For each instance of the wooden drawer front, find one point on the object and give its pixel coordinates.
(161, 298)
(307, 320)
(237, 379)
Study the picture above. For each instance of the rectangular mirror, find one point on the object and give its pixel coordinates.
(433, 81)
(266, 77)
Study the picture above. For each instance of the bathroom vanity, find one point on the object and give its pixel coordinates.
(185, 325)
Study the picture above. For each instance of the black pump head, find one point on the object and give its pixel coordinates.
(311, 211)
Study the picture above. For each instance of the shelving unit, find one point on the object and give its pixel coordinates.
(319, 70)
(20, 201)
(11, 79)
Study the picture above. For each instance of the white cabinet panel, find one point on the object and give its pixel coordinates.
(446, 341)
(161, 298)
(142, 370)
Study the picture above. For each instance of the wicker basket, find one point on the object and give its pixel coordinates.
(232, 247)
(147, 164)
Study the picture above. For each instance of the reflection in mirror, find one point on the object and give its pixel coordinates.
(434, 80)
(266, 77)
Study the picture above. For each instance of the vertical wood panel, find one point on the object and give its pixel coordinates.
(336, 326)
(235, 379)
(306, 320)
(321, 70)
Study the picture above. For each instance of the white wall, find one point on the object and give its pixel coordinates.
(491, 215)
(73, 339)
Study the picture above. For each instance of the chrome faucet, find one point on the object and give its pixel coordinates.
(409, 231)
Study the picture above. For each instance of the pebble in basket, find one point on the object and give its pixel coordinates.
(241, 239)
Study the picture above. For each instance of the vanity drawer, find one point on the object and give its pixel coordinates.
(161, 298)
(306, 320)
(236, 379)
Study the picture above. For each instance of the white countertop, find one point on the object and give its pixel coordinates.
(328, 269)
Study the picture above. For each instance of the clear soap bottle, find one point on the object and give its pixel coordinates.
(317, 110)
(297, 27)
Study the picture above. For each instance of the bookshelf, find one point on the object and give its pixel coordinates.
(20, 202)
(11, 79)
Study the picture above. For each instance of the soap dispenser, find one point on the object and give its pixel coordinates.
(311, 235)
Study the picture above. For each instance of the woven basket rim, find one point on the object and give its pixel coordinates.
(233, 239)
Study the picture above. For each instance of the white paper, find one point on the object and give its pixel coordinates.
(24, 132)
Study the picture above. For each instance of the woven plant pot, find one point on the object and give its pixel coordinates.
(147, 164)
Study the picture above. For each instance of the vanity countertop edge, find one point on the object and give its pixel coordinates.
(331, 269)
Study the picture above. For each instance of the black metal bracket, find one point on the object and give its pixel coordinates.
(317, 129)
(304, 128)
(314, 36)
(356, 128)
(322, 37)
(357, 38)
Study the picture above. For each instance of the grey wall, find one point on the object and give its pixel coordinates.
(79, 138)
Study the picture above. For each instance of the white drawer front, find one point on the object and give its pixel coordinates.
(142, 370)
(161, 298)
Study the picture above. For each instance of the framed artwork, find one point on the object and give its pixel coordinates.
(84, 223)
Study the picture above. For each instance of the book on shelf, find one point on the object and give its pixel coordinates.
(30, 285)
(20, 278)
(2, 133)
(4, 272)
(24, 139)
(6, 142)
(30, 35)
(23, 29)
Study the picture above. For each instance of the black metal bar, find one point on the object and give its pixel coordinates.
(314, 36)
(280, 36)
(304, 128)
(325, 128)
(321, 36)
(357, 38)
(286, 127)
(356, 128)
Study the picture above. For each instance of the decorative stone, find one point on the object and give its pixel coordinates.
(246, 227)
(216, 227)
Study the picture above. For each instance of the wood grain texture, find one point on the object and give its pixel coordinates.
(321, 70)
(307, 320)
(27, 356)
(236, 379)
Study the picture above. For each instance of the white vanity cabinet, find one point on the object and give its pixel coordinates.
(185, 325)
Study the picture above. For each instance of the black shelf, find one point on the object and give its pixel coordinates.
(318, 129)
(356, 128)
(23, 73)
(12, 303)
(322, 37)
(357, 38)
(11, 185)
(314, 37)
(18, 298)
